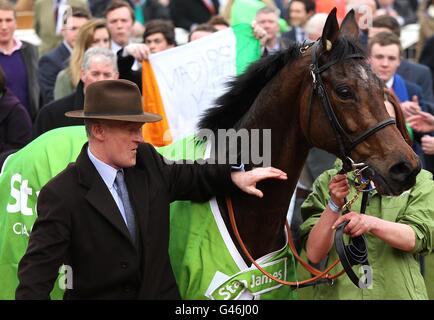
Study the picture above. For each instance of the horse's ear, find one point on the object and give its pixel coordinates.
(349, 26)
(330, 32)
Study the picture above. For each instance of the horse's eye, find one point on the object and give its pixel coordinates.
(345, 93)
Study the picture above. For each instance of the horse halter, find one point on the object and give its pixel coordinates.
(346, 142)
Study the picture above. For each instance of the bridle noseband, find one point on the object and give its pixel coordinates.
(346, 142)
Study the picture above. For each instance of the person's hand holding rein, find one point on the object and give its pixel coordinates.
(339, 189)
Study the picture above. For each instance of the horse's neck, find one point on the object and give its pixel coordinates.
(261, 221)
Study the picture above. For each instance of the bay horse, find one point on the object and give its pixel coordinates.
(323, 95)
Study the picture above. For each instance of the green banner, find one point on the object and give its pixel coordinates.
(248, 47)
(22, 177)
(244, 11)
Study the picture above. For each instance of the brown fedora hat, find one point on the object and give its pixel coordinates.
(114, 100)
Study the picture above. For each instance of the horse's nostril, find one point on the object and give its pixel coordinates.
(401, 171)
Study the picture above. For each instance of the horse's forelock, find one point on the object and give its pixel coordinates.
(343, 47)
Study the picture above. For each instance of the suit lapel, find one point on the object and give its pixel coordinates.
(98, 194)
(64, 55)
(102, 200)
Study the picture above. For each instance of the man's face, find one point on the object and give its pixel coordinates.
(99, 69)
(384, 60)
(119, 140)
(71, 28)
(297, 14)
(8, 24)
(157, 42)
(101, 38)
(268, 21)
(120, 25)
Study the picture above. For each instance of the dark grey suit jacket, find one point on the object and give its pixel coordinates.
(50, 65)
(52, 115)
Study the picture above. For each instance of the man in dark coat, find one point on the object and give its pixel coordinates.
(300, 11)
(52, 116)
(106, 216)
(49, 66)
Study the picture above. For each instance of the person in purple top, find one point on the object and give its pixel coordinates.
(15, 123)
(19, 61)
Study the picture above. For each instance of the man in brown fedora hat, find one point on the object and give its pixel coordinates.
(106, 216)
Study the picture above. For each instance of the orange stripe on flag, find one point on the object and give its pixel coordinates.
(156, 133)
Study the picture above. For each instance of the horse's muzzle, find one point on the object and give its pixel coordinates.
(401, 177)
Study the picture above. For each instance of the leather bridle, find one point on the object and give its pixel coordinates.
(355, 253)
(346, 142)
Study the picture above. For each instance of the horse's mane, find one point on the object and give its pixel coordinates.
(244, 89)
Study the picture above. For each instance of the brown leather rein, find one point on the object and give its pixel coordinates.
(318, 274)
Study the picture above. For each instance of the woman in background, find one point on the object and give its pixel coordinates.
(92, 34)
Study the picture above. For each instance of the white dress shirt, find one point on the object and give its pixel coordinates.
(108, 175)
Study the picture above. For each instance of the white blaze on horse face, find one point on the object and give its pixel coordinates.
(363, 76)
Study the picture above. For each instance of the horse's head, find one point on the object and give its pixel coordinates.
(345, 112)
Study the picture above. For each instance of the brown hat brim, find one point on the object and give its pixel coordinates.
(144, 117)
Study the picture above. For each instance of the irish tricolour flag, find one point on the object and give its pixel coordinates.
(181, 83)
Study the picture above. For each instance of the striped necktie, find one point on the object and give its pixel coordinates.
(121, 189)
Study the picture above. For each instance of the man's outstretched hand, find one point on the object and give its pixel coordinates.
(246, 180)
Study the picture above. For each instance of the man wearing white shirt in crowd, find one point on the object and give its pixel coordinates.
(266, 29)
(300, 11)
(19, 60)
(120, 21)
